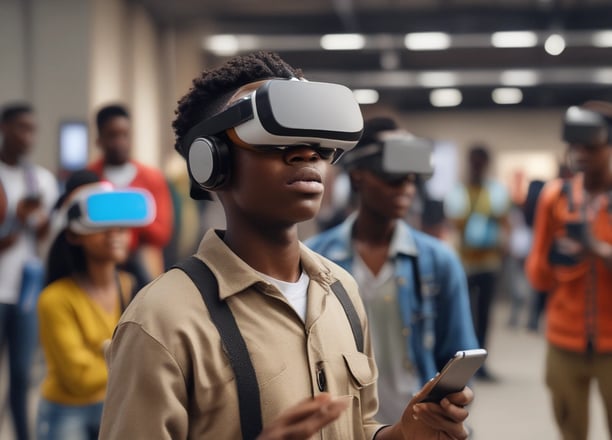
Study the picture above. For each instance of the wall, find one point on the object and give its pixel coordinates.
(69, 57)
(13, 77)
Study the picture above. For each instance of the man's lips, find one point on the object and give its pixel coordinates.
(306, 175)
(307, 181)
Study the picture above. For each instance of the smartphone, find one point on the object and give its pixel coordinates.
(456, 373)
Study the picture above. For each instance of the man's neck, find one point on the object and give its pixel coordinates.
(597, 183)
(373, 229)
(275, 253)
(8, 158)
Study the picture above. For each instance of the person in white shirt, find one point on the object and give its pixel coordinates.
(30, 192)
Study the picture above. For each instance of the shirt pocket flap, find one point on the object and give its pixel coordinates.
(362, 368)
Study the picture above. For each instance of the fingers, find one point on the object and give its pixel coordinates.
(306, 418)
(437, 418)
(305, 408)
(462, 398)
(447, 416)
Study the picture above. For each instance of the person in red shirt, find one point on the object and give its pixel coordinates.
(117, 166)
(571, 258)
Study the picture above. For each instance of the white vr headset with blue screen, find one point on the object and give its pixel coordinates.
(99, 206)
(279, 114)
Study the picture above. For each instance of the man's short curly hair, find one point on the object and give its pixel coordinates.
(211, 90)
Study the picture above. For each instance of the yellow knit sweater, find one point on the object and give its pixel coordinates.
(73, 329)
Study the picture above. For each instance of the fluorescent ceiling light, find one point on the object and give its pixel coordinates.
(222, 44)
(427, 41)
(366, 96)
(445, 97)
(514, 39)
(519, 78)
(342, 41)
(602, 39)
(603, 76)
(228, 44)
(507, 95)
(554, 45)
(437, 79)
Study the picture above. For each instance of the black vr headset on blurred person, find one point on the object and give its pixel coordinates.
(394, 157)
(279, 114)
(586, 127)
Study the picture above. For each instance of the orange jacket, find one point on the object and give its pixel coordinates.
(580, 296)
(159, 232)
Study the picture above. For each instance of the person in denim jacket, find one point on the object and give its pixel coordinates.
(412, 284)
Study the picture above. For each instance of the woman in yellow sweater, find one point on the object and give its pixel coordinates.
(82, 303)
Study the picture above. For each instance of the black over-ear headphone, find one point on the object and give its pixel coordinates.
(209, 162)
(209, 156)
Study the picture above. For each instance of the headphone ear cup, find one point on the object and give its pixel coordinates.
(209, 162)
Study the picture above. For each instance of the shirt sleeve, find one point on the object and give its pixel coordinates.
(79, 367)
(537, 268)
(147, 393)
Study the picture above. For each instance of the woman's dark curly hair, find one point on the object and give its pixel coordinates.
(212, 89)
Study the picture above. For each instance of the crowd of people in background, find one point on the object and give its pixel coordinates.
(66, 281)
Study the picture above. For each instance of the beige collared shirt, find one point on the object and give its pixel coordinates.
(169, 377)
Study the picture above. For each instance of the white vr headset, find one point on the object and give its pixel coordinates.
(586, 127)
(394, 157)
(286, 112)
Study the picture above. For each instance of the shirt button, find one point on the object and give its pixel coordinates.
(388, 298)
(401, 281)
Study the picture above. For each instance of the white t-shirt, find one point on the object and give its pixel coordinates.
(14, 180)
(120, 175)
(397, 377)
(296, 293)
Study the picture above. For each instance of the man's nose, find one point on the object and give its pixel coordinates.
(301, 153)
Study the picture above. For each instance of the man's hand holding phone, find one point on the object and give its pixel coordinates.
(438, 410)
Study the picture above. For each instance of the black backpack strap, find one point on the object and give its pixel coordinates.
(351, 313)
(233, 343)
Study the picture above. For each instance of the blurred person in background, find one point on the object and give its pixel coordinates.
(571, 259)
(478, 210)
(116, 165)
(413, 286)
(81, 304)
(30, 192)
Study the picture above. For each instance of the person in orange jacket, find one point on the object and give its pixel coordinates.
(571, 258)
(116, 165)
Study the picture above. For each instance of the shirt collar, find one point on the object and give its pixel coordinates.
(402, 241)
(234, 275)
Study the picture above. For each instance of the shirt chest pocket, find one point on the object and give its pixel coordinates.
(361, 372)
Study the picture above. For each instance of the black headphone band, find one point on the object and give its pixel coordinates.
(234, 115)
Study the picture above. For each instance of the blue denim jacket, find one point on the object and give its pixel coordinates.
(438, 320)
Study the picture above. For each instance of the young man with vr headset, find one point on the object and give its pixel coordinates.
(413, 286)
(571, 258)
(274, 342)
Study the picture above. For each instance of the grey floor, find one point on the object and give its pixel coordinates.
(515, 408)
